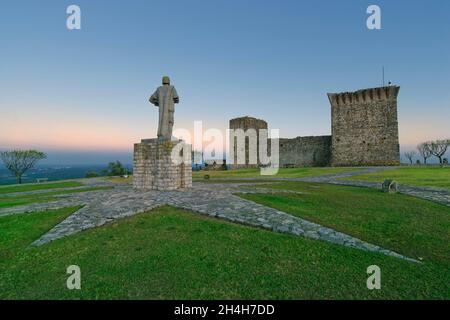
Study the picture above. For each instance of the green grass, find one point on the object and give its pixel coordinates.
(282, 173)
(174, 254)
(19, 201)
(231, 181)
(41, 197)
(432, 176)
(411, 226)
(127, 180)
(252, 173)
(18, 231)
(38, 186)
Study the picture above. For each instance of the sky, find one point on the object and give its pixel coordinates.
(82, 95)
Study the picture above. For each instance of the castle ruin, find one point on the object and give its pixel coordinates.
(248, 125)
(364, 127)
(364, 132)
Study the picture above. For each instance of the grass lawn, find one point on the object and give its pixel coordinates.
(120, 180)
(175, 254)
(414, 227)
(282, 173)
(41, 197)
(252, 173)
(432, 176)
(38, 186)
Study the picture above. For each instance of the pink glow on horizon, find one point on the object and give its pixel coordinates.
(66, 136)
(58, 130)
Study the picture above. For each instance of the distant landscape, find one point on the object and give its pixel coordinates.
(53, 172)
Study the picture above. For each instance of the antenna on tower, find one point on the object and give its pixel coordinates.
(383, 77)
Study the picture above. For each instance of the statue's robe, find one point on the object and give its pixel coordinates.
(165, 98)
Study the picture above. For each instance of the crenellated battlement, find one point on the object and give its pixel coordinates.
(389, 93)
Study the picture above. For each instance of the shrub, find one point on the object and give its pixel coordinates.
(91, 174)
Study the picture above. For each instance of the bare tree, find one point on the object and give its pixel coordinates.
(424, 150)
(410, 156)
(439, 147)
(19, 161)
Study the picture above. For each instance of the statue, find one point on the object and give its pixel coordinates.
(165, 97)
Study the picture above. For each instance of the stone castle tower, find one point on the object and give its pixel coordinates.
(246, 123)
(364, 127)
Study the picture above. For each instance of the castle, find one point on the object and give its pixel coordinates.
(364, 132)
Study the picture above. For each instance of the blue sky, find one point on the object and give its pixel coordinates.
(86, 91)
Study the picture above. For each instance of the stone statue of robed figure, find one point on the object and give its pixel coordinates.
(163, 163)
(165, 98)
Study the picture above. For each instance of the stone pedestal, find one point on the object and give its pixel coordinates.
(162, 165)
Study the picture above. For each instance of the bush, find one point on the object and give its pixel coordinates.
(91, 174)
(115, 169)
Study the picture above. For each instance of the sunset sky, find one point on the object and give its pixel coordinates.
(82, 95)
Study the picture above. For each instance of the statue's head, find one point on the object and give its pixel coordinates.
(165, 80)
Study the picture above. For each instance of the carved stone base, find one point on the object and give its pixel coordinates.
(162, 165)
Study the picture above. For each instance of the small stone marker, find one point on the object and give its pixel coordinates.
(389, 186)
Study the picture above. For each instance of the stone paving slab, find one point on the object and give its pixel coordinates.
(216, 200)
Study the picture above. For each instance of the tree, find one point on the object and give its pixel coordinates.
(410, 155)
(439, 147)
(91, 174)
(20, 161)
(116, 169)
(424, 150)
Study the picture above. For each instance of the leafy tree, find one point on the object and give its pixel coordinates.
(116, 169)
(410, 156)
(424, 150)
(439, 147)
(20, 161)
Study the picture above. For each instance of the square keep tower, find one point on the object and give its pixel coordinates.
(364, 127)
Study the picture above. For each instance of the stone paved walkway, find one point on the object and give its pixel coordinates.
(216, 200)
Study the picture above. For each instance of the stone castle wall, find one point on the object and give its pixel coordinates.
(364, 127)
(246, 123)
(153, 168)
(305, 151)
